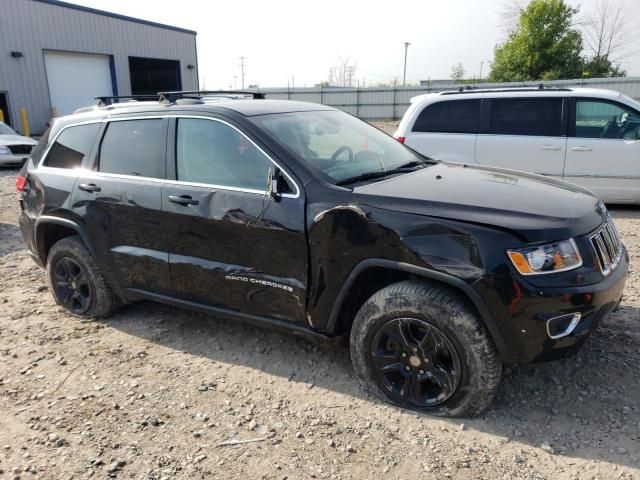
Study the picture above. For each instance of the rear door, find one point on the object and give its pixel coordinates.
(525, 133)
(232, 246)
(120, 201)
(603, 150)
(446, 130)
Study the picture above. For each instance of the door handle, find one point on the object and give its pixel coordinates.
(183, 200)
(551, 147)
(582, 149)
(89, 187)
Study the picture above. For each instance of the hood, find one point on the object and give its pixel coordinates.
(16, 140)
(533, 207)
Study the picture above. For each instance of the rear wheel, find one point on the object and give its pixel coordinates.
(421, 346)
(76, 282)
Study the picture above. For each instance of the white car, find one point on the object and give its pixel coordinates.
(589, 137)
(14, 149)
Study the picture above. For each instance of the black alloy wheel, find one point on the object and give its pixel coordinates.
(71, 285)
(414, 362)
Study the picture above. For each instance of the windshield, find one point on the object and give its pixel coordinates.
(339, 145)
(5, 129)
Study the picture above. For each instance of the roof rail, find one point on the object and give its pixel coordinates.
(105, 101)
(540, 87)
(171, 97)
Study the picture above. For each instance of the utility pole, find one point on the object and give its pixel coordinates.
(481, 65)
(404, 76)
(242, 65)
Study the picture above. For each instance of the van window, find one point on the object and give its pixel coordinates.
(449, 116)
(526, 116)
(133, 147)
(601, 119)
(208, 151)
(71, 147)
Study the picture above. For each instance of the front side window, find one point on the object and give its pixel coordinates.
(133, 147)
(211, 152)
(526, 116)
(453, 116)
(72, 146)
(599, 119)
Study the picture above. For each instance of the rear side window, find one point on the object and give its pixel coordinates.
(71, 147)
(133, 147)
(455, 116)
(526, 116)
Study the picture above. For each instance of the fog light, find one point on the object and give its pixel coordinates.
(563, 325)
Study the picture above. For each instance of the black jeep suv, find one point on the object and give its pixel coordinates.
(303, 218)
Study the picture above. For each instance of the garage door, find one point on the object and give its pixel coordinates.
(75, 79)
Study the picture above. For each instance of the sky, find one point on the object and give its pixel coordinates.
(297, 42)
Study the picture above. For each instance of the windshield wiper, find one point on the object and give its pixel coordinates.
(407, 167)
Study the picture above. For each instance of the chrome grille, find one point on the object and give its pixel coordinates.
(607, 246)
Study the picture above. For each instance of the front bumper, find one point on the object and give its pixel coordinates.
(13, 160)
(521, 312)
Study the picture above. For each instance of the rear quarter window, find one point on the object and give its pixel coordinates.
(71, 147)
(449, 116)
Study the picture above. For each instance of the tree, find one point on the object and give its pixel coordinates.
(544, 45)
(608, 35)
(457, 72)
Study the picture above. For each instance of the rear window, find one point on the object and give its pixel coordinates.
(526, 116)
(71, 147)
(454, 116)
(133, 147)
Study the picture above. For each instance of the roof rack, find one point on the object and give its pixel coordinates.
(171, 97)
(105, 101)
(471, 89)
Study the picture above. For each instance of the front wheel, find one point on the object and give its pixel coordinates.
(420, 346)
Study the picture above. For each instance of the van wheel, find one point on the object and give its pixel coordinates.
(420, 346)
(76, 282)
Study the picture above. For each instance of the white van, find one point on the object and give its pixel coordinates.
(590, 137)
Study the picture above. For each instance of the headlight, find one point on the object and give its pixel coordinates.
(550, 258)
(4, 151)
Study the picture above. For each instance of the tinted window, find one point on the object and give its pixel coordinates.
(71, 146)
(456, 116)
(597, 119)
(133, 147)
(214, 153)
(526, 116)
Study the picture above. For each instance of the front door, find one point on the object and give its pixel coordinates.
(232, 246)
(120, 203)
(603, 149)
(524, 133)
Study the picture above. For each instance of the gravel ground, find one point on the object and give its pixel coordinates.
(155, 391)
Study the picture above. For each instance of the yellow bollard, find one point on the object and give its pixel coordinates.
(1, 116)
(25, 122)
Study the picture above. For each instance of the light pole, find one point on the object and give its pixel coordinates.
(480, 77)
(404, 75)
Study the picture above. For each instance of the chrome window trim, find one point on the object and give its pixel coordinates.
(97, 174)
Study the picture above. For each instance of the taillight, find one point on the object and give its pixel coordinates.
(21, 183)
(401, 139)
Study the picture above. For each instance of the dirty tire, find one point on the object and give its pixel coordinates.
(102, 301)
(456, 323)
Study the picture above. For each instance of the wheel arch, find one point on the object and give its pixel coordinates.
(50, 229)
(398, 271)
